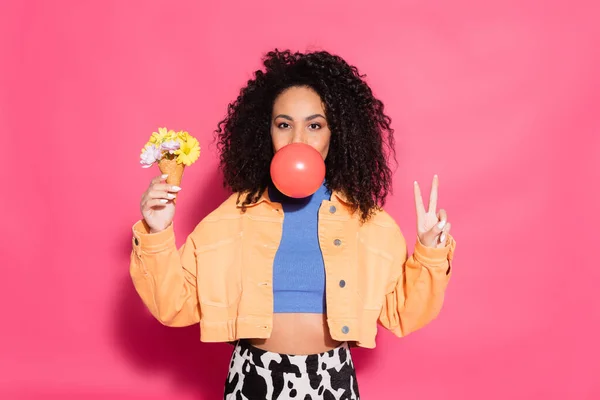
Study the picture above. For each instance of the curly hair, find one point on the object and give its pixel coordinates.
(357, 163)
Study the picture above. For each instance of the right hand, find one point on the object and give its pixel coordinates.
(157, 206)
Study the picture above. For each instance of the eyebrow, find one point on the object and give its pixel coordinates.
(309, 118)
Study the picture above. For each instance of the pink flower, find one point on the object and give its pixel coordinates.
(150, 155)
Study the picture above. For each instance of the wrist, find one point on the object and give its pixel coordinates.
(149, 229)
(152, 240)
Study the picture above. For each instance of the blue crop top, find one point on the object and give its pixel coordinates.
(298, 268)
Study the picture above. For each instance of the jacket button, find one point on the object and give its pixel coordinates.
(342, 283)
(332, 209)
(345, 330)
(337, 242)
(136, 241)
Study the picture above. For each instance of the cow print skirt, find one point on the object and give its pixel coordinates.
(259, 374)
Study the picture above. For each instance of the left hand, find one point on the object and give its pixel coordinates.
(432, 227)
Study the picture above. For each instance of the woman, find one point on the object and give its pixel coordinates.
(293, 283)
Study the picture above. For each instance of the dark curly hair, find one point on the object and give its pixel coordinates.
(357, 163)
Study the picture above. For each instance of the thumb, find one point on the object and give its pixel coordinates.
(430, 238)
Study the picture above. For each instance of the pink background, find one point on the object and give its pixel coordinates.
(501, 100)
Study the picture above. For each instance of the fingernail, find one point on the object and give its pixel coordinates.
(164, 176)
(163, 201)
(442, 237)
(441, 224)
(170, 195)
(175, 188)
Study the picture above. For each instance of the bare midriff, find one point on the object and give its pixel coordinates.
(298, 333)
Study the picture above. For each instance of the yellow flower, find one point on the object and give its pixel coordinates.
(189, 151)
(163, 135)
(183, 136)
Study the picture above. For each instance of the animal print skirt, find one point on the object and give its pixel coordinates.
(259, 374)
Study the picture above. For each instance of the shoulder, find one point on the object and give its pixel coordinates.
(382, 231)
(227, 208)
(222, 216)
(381, 220)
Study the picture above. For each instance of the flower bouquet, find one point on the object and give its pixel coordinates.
(173, 151)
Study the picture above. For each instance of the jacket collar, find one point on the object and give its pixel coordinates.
(264, 197)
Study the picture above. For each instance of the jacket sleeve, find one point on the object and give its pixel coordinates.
(165, 277)
(415, 294)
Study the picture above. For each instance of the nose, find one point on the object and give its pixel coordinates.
(299, 136)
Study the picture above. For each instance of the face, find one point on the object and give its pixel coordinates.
(299, 117)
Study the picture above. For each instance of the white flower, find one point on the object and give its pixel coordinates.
(170, 146)
(150, 155)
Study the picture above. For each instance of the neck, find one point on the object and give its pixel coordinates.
(322, 193)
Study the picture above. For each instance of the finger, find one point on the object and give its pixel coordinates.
(443, 218)
(159, 179)
(161, 194)
(165, 187)
(445, 233)
(430, 239)
(433, 235)
(442, 221)
(420, 207)
(433, 196)
(447, 227)
(156, 203)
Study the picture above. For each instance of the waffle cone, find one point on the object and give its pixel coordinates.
(174, 170)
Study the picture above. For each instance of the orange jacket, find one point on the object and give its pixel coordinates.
(222, 276)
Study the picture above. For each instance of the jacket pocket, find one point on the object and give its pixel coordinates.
(374, 267)
(219, 272)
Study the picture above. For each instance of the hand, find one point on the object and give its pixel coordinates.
(157, 206)
(432, 227)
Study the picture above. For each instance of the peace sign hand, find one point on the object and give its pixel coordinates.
(432, 227)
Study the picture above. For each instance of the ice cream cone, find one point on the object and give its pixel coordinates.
(175, 171)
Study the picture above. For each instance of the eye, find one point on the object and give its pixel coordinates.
(283, 125)
(315, 126)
